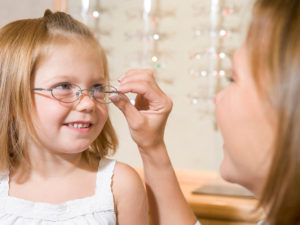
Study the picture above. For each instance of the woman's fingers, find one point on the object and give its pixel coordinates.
(147, 118)
(131, 114)
(143, 84)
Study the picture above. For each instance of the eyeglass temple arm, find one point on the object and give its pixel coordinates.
(41, 89)
(116, 91)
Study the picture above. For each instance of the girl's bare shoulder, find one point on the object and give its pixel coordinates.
(129, 196)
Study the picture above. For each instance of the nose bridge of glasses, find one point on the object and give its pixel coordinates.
(80, 93)
(98, 94)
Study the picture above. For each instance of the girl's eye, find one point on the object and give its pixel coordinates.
(98, 87)
(65, 86)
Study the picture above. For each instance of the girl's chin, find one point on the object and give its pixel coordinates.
(77, 149)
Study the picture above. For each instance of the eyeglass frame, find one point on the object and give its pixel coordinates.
(90, 90)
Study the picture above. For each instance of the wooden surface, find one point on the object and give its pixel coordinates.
(215, 209)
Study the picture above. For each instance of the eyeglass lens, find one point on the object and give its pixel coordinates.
(72, 93)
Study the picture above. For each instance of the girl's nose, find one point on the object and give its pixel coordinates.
(85, 102)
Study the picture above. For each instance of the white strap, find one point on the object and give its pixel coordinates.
(4, 186)
(197, 223)
(107, 165)
(104, 176)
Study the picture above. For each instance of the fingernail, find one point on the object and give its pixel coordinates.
(114, 97)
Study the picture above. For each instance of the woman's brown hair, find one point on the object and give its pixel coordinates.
(274, 50)
(22, 44)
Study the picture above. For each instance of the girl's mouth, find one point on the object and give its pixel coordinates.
(79, 125)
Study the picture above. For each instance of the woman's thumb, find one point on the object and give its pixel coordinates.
(123, 103)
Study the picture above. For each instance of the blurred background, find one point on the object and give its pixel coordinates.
(189, 45)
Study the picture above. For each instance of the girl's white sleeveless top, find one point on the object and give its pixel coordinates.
(95, 210)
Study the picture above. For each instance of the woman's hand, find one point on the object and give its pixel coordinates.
(148, 116)
(147, 120)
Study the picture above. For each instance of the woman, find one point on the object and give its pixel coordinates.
(258, 115)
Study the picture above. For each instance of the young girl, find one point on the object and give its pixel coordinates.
(55, 130)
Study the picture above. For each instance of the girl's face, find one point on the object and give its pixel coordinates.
(245, 120)
(68, 127)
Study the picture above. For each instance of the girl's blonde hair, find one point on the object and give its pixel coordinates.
(21, 45)
(274, 47)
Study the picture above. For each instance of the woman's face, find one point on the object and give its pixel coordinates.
(246, 123)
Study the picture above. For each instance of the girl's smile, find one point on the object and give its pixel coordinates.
(80, 126)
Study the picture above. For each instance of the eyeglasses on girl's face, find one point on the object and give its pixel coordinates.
(69, 93)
